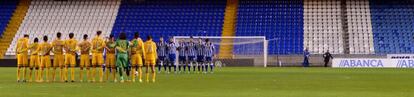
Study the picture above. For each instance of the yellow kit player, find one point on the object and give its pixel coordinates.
(150, 57)
(70, 58)
(137, 54)
(98, 45)
(110, 57)
(58, 59)
(85, 47)
(44, 52)
(22, 56)
(34, 59)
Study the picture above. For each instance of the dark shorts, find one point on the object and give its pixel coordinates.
(200, 58)
(209, 59)
(191, 58)
(182, 58)
(161, 58)
(171, 57)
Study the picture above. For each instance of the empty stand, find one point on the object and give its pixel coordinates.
(6, 11)
(170, 18)
(393, 26)
(46, 17)
(322, 26)
(359, 27)
(281, 21)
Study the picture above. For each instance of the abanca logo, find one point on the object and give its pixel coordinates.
(361, 63)
(405, 64)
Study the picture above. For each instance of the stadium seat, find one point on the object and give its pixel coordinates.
(170, 18)
(46, 17)
(275, 19)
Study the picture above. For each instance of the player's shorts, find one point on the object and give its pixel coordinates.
(136, 60)
(70, 59)
(209, 59)
(34, 61)
(110, 60)
(200, 58)
(58, 60)
(150, 62)
(182, 58)
(122, 60)
(191, 58)
(161, 58)
(45, 61)
(84, 61)
(97, 59)
(171, 58)
(22, 60)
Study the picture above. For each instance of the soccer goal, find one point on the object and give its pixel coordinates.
(236, 50)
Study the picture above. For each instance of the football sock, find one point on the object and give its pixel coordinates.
(72, 73)
(133, 73)
(140, 73)
(24, 73)
(153, 76)
(18, 74)
(211, 67)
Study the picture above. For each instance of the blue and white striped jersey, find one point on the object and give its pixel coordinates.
(191, 49)
(172, 48)
(161, 49)
(200, 49)
(182, 49)
(209, 50)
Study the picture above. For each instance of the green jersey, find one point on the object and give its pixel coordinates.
(122, 46)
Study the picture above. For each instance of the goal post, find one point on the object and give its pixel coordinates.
(235, 47)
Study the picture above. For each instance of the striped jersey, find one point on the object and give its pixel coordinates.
(209, 50)
(191, 51)
(161, 49)
(200, 49)
(182, 49)
(172, 48)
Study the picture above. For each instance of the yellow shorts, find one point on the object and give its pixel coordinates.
(97, 59)
(34, 61)
(110, 60)
(84, 61)
(70, 60)
(45, 61)
(58, 60)
(150, 62)
(22, 60)
(136, 60)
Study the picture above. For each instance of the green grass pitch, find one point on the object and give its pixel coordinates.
(232, 82)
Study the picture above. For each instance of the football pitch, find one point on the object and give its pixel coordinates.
(232, 82)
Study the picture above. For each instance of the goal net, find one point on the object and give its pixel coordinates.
(235, 49)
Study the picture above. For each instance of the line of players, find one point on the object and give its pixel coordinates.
(121, 55)
(190, 54)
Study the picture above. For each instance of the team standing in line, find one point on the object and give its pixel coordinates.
(121, 56)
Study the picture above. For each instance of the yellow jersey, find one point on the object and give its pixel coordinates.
(45, 48)
(34, 49)
(70, 46)
(58, 45)
(111, 47)
(150, 50)
(22, 46)
(137, 46)
(85, 47)
(98, 45)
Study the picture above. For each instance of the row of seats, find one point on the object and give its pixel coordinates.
(45, 17)
(392, 25)
(323, 27)
(359, 27)
(170, 18)
(7, 8)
